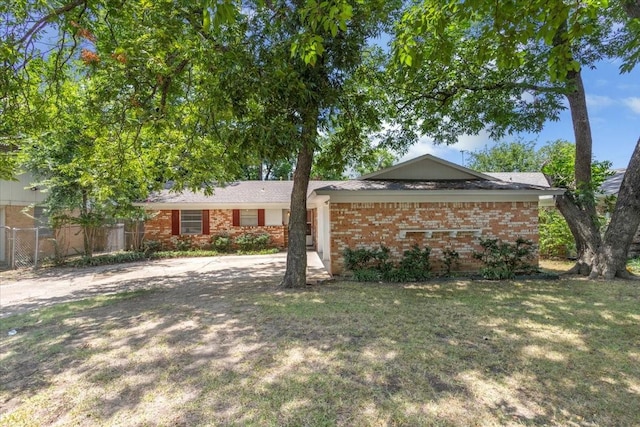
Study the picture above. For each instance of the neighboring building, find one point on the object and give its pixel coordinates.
(21, 214)
(17, 201)
(426, 201)
(610, 188)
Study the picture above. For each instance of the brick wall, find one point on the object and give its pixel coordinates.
(220, 221)
(355, 225)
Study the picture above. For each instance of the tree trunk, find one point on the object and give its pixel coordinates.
(612, 257)
(632, 8)
(87, 231)
(580, 210)
(296, 273)
(586, 236)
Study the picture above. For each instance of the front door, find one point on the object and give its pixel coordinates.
(309, 228)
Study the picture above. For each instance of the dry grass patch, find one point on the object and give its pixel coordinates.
(451, 353)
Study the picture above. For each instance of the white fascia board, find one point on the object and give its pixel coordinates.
(547, 201)
(210, 206)
(435, 196)
(315, 200)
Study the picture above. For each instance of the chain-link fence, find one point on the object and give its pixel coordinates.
(28, 247)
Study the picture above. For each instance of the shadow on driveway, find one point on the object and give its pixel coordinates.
(56, 285)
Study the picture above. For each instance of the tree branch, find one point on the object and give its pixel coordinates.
(42, 22)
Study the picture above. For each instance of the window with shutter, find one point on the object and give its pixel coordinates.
(191, 222)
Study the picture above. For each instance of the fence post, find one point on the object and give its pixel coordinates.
(35, 255)
(13, 248)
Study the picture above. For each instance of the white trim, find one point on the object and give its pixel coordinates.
(453, 232)
(432, 196)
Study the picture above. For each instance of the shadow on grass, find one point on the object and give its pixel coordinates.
(227, 348)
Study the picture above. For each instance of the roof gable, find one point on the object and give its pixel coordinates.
(426, 168)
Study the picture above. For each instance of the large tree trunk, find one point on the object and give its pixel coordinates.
(612, 257)
(296, 273)
(579, 209)
(586, 236)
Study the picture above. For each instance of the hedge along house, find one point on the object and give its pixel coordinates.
(429, 202)
(425, 201)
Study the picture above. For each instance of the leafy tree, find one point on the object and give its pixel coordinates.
(89, 180)
(197, 87)
(508, 67)
(370, 158)
(376, 159)
(506, 157)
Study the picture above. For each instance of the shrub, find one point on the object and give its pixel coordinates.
(503, 260)
(556, 239)
(151, 247)
(249, 242)
(415, 264)
(362, 259)
(184, 243)
(450, 257)
(366, 275)
(374, 264)
(222, 243)
(106, 259)
(397, 275)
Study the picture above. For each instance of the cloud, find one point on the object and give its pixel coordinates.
(633, 103)
(599, 101)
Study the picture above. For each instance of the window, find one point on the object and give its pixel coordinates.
(248, 217)
(41, 220)
(191, 222)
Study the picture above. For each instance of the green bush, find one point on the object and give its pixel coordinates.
(369, 265)
(398, 275)
(250, 242)
(366, 275)
(415, 264)
(556, 239)
(151, 246)
(114, 258)
(222, 243)
(364, 259)
(503, 260)
(450, 258)
(184, 243)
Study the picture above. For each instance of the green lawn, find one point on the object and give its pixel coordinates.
(449, 353)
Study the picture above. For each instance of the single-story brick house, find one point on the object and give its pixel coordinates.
(426, 201)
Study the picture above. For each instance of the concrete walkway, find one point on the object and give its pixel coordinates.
(24, 290)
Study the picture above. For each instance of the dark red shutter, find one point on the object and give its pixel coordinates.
(205, 222)
(236, 217)
(260, 217)
(175, 223)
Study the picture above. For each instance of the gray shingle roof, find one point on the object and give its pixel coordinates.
(531, 178)
(476, 184)
(258, 192)
(612, 184)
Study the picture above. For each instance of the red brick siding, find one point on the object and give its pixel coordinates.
(369, 225)
(220, 221)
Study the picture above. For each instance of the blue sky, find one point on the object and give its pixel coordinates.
(614, 111)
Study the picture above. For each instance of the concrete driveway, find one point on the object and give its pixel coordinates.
(27, 289)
